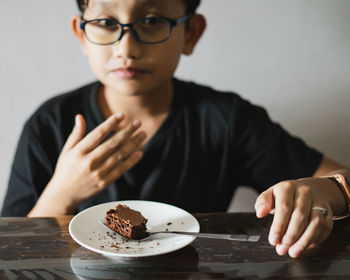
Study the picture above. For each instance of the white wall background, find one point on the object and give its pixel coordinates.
(292, 57)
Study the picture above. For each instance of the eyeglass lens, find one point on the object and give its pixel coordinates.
(149, 30)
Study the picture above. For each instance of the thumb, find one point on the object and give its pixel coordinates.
(77, 133)
(264, 203)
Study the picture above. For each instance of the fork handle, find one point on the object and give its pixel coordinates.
(233, 237)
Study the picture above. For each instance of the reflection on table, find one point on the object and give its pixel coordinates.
(41, 248)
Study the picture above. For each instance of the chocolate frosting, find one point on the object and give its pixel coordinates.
(131, 216)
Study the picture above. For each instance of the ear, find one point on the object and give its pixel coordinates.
(194, 31)
(75, 26)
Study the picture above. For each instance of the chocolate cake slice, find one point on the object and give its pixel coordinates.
(127, 222)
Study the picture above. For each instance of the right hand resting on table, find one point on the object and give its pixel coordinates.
(87, 165)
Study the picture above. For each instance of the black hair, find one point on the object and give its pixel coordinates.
(191, 5)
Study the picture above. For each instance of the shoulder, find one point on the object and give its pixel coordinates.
(220, 115)
(68, 101)
(60, 110)
(212, 101)
(224, 112)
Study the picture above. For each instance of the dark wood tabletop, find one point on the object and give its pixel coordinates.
(41, 248)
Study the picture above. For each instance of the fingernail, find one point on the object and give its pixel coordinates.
(274, 239)
(282, 249)
(142, 135)
(136, 123)
(260, 209)
(119, 115)
(139, 154)
(76, 120)
(294, 252)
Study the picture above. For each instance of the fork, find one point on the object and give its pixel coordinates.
(232, 237)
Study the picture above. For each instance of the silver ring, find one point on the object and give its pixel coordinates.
(324, 211)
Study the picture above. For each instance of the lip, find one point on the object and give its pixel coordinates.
(129, 72)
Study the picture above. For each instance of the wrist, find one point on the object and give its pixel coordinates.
(51, 203)
(341, 180)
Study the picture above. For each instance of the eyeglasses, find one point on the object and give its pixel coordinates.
(148, 30)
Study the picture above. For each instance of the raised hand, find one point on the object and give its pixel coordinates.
(89, 164)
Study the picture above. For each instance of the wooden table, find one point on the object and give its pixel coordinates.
(41, 248)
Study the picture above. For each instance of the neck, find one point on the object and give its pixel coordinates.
(146, 105)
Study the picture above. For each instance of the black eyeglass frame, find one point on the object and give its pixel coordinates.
(172, 24)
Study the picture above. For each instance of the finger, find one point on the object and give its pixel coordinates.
(123, 153)
(264, 203)
(96, 136)
(77, 133)
(298, 222)
(321, 238)
(317, 231)
(284, 204)
(103, 151)
(324, 234)
(119, 170)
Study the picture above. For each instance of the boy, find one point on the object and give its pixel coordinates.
(139, 133)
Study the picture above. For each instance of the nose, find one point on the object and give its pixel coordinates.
(128, 46)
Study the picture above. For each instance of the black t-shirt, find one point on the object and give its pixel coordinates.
(210, 143)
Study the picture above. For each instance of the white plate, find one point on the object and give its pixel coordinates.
(87, 230)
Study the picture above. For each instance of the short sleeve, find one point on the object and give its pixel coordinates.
(264, 153)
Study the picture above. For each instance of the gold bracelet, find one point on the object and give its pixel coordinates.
(344, 185)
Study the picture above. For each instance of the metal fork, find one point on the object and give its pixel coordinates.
(232, 237)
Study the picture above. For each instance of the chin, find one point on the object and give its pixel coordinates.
(130, 89)
(134, 87)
